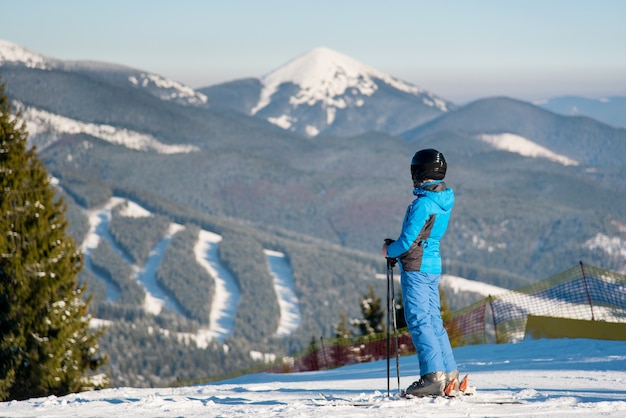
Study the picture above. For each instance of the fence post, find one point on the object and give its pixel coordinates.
(493, 317)
(582, 268)
(324, 353)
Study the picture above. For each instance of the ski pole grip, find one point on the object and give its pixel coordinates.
(391, 262)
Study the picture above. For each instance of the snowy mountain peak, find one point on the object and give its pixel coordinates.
(325, 71)
(11, 53)
(326, 78)
(324, 74)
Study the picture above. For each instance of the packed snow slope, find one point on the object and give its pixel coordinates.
(543, 378)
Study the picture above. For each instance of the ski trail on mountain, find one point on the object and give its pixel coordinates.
(99, 219)
(227, 294)
(156, 296)
(280, 270)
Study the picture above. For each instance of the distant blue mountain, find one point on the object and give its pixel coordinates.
(609, 110)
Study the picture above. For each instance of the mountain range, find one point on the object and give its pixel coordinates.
(310, 160)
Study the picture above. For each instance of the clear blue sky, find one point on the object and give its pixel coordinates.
(461, 50)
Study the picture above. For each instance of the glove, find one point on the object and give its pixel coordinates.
(391, 262)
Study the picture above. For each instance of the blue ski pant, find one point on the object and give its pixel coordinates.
(422, 311)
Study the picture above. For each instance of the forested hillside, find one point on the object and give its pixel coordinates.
(327, 282)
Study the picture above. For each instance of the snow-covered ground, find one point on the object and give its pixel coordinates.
(544, 378)
(525, 147)
(41, 124)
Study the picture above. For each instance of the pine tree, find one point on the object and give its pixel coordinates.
(341, 329)
(372, 321)
(46, 345)
(310, 359)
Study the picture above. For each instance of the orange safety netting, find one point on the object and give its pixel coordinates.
(582, 292)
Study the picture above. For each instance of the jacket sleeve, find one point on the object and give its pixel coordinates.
(414, 220)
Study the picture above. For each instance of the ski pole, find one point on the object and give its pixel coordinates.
(395, 321)
(388, 325)
(391, 313)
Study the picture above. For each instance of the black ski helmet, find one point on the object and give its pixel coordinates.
(428, 164)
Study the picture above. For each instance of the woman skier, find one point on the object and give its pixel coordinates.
(417, 250)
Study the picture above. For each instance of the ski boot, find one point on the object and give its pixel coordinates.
(431, 384)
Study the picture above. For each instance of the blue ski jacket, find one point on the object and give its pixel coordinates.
(425, 222)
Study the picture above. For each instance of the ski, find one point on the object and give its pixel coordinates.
(332, 400)
(462, 392)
